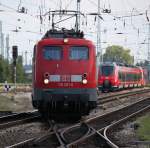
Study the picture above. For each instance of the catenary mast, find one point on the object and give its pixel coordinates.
(99, 52)
(78, 15)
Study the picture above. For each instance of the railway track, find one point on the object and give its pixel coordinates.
(34, 140)
(119, 100)
(113, 97)
(87, 133)
(17, 118)
(6, 113)
(51, 138)
(109, 130)
(16, 128)
(98, 124)
(11, 133)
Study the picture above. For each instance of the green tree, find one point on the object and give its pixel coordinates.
(5, 74)
(143, 63)
(117, 53)
(6, 71)
(2, 75)
(20, 74)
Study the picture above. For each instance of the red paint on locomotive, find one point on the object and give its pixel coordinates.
(64, 75)
(65, 67)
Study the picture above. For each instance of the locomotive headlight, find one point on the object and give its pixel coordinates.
(46, 81)
(84, 81)
(65, 40)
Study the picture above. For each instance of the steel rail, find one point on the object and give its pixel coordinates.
(18, 119)
(113, 94)
(34, 140)
(61, 141)
(106, 130)
(105, 99)
(83, 128)
(89, 132)
(102, 128)
(101, 116)
(16, 116)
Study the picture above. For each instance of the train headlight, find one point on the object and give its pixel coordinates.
(66, 40)
(84, 81)
(46, 81)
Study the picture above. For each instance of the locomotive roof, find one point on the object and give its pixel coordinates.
(60, 41)
(119, 64)
(63, 33)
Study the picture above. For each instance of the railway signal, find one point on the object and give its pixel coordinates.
(14, 55)
(14, 52)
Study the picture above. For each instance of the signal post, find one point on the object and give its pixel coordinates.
(14, 55)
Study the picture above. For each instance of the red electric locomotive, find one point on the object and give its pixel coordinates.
(114, 76)
(64, 73)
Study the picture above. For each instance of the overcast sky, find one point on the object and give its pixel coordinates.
(126, 25)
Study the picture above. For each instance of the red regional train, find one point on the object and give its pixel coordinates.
(64, 74)
(114, 76)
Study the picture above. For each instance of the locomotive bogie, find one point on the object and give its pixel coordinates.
(61, 100)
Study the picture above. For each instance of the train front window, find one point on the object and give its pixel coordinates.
(107, 70)
(52, 52)
(79, 53)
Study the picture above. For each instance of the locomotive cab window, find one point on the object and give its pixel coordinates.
(79, 53)
(52, 53)
(107, 70)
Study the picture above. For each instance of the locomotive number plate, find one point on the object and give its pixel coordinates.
(65, 78)
(65, 84)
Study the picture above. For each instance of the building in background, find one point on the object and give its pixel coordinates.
(1, 40)
(4, 44)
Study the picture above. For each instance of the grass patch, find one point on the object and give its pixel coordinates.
(143, 131)
(6, 103)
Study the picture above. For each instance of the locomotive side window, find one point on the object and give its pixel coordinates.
(121, 76)
(52, 52)
(107, 70)
(79, 53)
